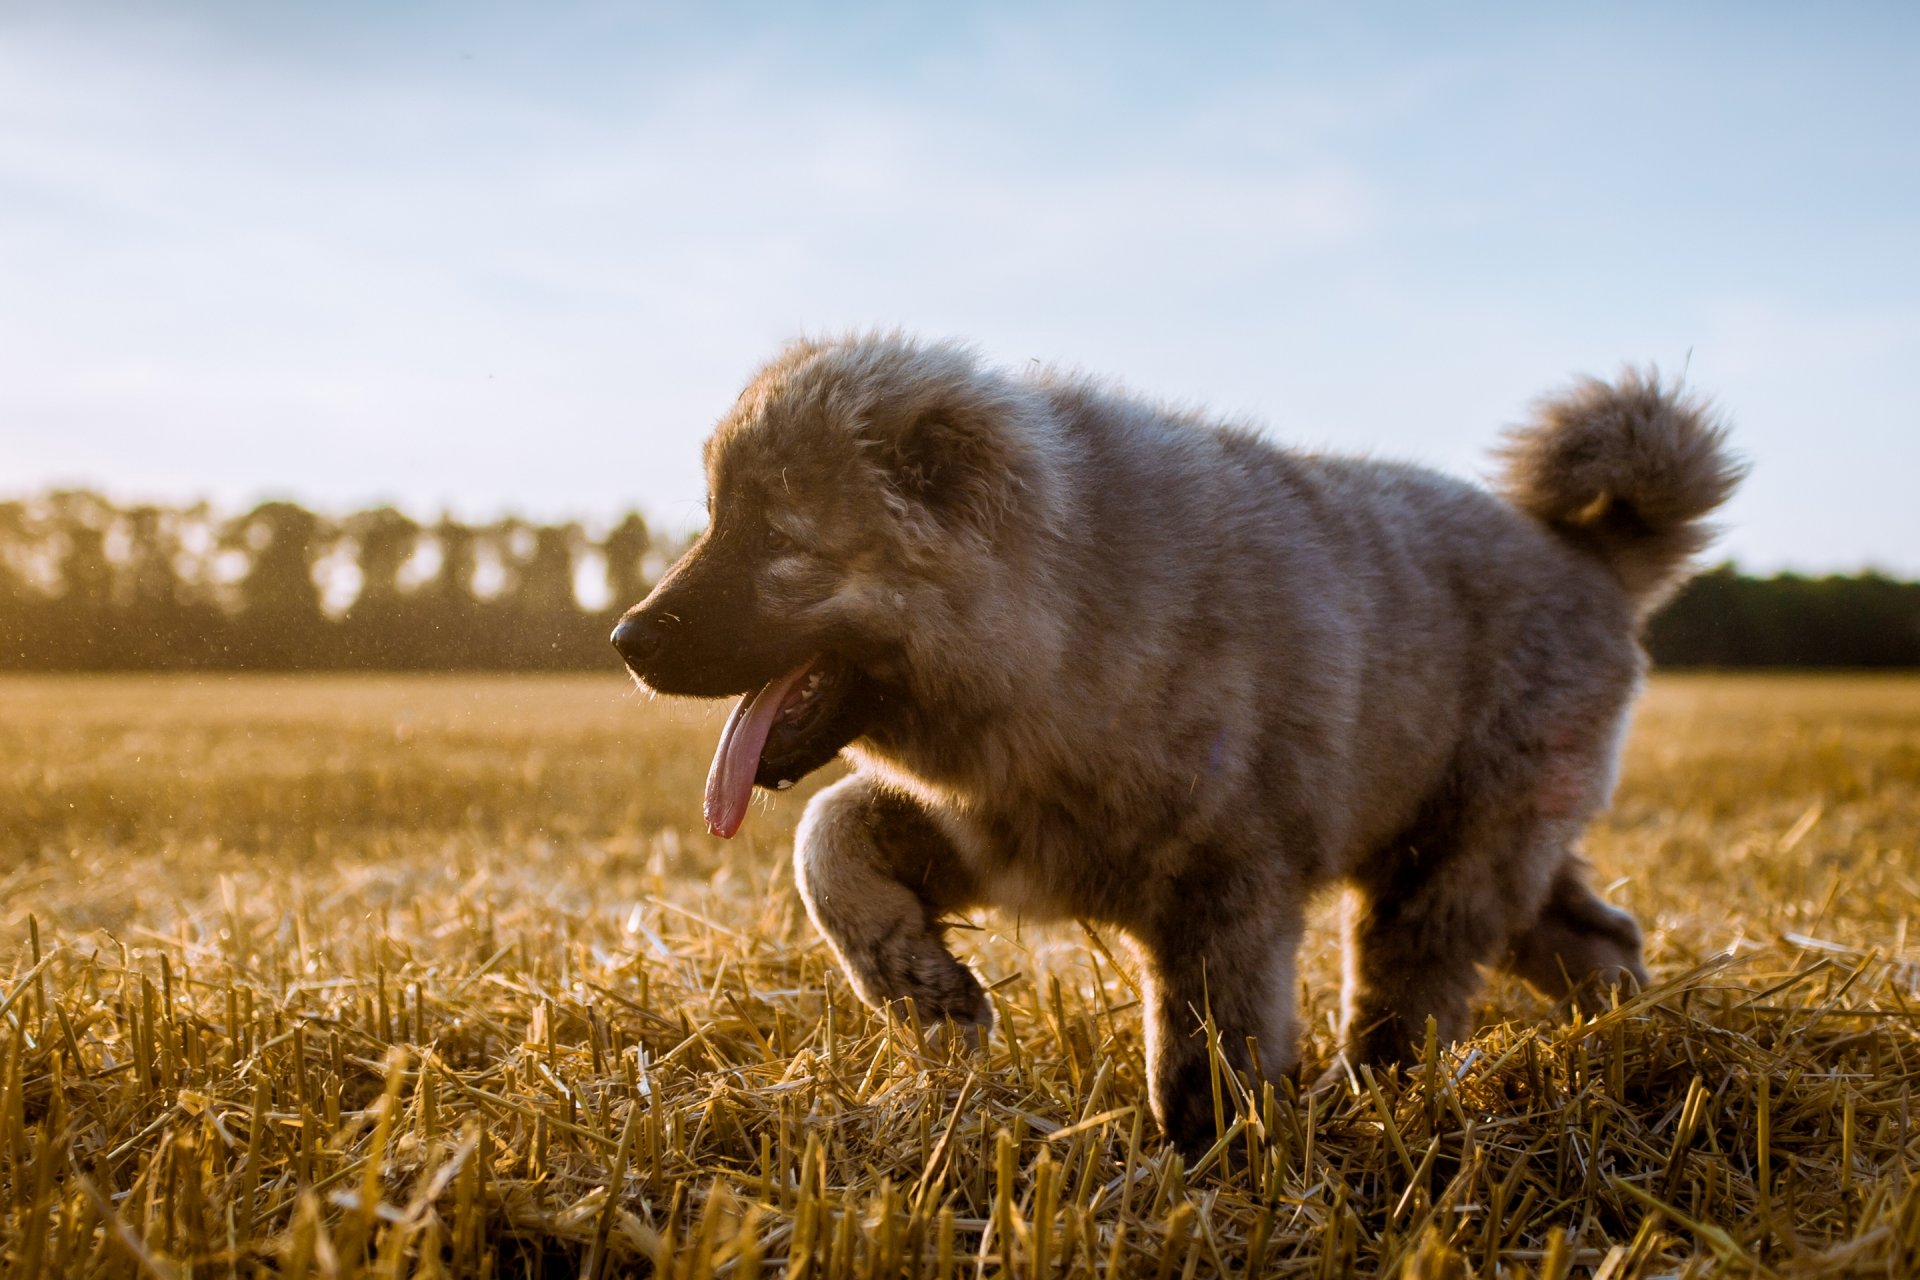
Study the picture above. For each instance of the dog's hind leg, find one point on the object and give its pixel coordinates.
(877, 874)
(1430, 909)
(1579, 945)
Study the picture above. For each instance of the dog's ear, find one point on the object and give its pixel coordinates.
(949, 462)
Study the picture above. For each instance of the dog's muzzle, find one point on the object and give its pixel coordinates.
(638, 639)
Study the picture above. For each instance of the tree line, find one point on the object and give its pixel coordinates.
(90, 585)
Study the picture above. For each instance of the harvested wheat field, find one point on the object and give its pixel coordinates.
(431, 976)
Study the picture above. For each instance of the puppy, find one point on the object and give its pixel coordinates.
(1093, 657)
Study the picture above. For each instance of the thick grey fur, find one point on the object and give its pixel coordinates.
(1163, 675)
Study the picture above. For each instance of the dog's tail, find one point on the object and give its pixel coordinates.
(1627, 471)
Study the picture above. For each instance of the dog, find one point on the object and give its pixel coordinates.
(1096, 658)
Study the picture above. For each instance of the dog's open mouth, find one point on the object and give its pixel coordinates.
(780, 733)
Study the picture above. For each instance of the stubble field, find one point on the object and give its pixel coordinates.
(341, 976)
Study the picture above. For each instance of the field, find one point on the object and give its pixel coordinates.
(442, 976)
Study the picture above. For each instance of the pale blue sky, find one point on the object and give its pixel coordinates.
(521, 256)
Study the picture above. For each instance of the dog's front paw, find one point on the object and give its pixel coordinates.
(1183, 1104)
(943, 988)
(917, 967)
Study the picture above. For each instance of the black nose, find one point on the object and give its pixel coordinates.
(638, 638)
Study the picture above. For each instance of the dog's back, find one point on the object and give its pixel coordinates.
(1343, 627)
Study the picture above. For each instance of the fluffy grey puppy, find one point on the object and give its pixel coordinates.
(1096, 658)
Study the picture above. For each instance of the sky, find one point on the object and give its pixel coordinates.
(490, 257)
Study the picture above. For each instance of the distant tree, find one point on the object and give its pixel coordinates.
(452, 583)
(385, 626)
(386, 540)
(86, 575)
(22, 605)
(453, 631)
(545, 627)
(626, 551)
(147, 579)
(281, 624)
(162, 622)
(544, 577)
(81, 611)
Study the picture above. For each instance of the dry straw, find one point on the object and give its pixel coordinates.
(577, 1043)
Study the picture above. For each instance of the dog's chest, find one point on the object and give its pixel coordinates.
(1044, 858)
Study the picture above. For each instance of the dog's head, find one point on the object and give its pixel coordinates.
(849, 488)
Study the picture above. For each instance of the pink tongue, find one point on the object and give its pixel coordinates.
(730, 781)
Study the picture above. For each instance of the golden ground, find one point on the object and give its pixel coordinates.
(401, 975)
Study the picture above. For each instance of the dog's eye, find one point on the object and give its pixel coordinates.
(776, 542)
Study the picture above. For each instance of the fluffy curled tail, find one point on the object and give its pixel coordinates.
(1626, 470)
